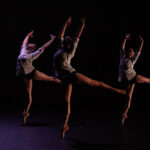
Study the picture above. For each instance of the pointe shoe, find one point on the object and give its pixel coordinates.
(64, 130)
(26, 115)
(123, 119)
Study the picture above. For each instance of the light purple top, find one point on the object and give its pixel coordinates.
(126, 66)
(25, 59)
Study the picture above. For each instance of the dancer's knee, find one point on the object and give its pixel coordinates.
(91, 82)
(68, 113)
(128, 96)
(29, 98)
(129, 100)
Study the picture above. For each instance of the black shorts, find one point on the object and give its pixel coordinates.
(68, 79)
(130, 81)
(29, 75)
(133, 80)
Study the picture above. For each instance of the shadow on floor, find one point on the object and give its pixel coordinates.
(91, 146)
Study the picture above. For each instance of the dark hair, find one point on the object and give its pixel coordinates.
(29, 48)
(67, 41)
(127, 51)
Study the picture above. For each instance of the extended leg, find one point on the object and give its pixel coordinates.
(43, 77)
(130, 89)
(82, 79)
(67, 103)
(141, 79)
(29, 92)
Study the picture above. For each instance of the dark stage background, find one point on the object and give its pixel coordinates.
(97, 55)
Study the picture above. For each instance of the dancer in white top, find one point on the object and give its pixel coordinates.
(27, 71)
(127, 73)
(63, 70)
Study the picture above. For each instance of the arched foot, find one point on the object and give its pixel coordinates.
(64, 130)
(124, 117)
(26, 115)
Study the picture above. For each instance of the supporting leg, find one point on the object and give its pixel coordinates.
(67, 102)
(37, 76)
(139, 79)
(130, 89)
(29, 92)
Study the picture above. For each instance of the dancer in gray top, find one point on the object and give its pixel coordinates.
(63, 70)
(65, 63)
(27, 71)
(127, 73)
(126, 66)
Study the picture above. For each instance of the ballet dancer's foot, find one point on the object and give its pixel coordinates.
(26, 115)
(64, 130)
(123, 119)
(123, 92)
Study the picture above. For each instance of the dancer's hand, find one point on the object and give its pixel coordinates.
(30, 34)
(25, 41)
(141, 38)
(128, 36)
(52, 37)
(83, 20)
(69, 20)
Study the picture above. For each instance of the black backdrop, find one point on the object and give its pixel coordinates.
(97, 54)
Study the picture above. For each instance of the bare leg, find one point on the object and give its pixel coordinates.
(67, 102)
(43, 77)
(130, 89)
(37, 76)
(141, 79)
(82, 79)
(29, 92)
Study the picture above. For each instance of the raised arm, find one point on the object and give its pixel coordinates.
(142, 42)
(49, 42)
(81, 28)
(37, 53)
(62, 32)
(127, 37)
(139, 51)
(75, 44)
(25, 42)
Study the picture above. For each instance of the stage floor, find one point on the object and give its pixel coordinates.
(88, 131)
